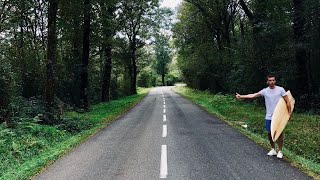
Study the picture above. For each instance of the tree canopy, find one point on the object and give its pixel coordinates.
(231, 46)
(67, 54)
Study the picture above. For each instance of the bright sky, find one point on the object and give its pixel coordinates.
(171, 3)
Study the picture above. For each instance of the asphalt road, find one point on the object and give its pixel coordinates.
(166, 136)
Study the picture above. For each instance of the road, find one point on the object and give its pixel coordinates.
(167, 137)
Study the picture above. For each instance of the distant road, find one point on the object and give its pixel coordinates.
(166, 136)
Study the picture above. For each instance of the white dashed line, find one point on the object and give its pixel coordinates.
(164, 162)
(164, 131)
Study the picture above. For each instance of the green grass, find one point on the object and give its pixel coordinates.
(302, 135)
(30, 147)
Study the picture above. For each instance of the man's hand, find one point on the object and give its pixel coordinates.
(290, 115)
(289, 108)
(238, 96)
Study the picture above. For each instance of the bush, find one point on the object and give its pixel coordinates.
(172, 79)
(146, 79)
(74, 125)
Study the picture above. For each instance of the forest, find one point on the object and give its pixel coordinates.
(61, 55)
(230, 46)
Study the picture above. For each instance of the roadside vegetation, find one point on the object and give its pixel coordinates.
(30, 146)
(302, 135)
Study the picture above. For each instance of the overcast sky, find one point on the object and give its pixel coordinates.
(171, 3)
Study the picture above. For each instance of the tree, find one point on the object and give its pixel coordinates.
(70, 47)
(136, 18)
(302, 61)
(162, 51)
(85, 56)
(108, 26)
(312, 39)
(51, 59)
(218, 16)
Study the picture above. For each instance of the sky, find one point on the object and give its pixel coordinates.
(171, 3)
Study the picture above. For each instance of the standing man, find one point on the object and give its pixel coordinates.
(272, 95)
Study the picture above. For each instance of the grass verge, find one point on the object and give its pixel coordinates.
(29, 147)
(301, 135)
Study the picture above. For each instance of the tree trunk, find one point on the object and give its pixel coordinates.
(163, 72)
(85, 57)
(51, 60)
(301, 52)
(133, 69)
(108, 32)
(106, 74)
(134, 75)
(76, 59)
(163, 82)
(242, 29)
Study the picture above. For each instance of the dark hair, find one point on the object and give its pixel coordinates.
(271, 76)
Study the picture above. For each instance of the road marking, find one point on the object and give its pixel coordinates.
(164, 106)
(164, 118)
(164, 162)
(164, 131)
(164, 102)
(164, 111)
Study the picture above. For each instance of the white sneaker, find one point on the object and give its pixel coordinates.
(280, 155)
(272, 152)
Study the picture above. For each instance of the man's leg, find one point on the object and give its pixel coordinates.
(268, 126)
(280, 142)
(272, 152)
(270, 140)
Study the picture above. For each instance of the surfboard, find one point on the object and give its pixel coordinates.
(281, 116)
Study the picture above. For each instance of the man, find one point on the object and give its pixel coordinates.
(272, 95)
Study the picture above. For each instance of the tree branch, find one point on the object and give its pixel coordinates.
(246, 10)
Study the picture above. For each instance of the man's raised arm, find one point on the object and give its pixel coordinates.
(248, 96)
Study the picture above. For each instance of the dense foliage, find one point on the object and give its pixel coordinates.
(69, 54)
(230, 46)
(27, 148)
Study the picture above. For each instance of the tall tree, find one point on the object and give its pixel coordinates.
(70, 24)
(136, 18)
(85, 56)
(218, 16)
(312, 29)
(302, 61)
(51, 59)
(162, 51)
(108, 26)
(256, 18)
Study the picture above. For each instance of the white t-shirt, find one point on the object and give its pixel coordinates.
(271, 98)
